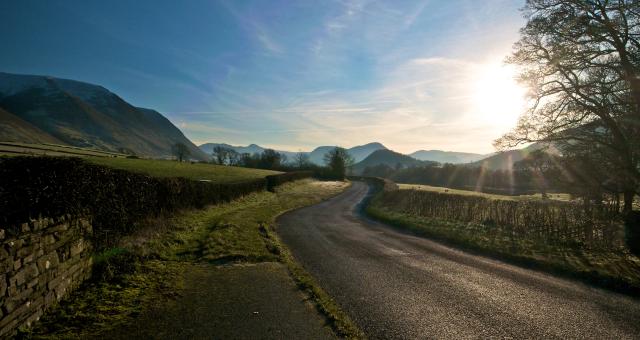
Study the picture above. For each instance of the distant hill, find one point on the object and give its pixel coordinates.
(250, 149)
(42, 109)
(387, 157)
(446, 156)
(316, 156)
(358, 153)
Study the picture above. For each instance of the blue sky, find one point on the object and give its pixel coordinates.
(287, 74)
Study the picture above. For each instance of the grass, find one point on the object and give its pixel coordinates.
(613, 269)
(237, 232)
(553, 196)
(196, 171)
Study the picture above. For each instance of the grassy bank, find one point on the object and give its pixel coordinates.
(236, 232)
(615, 269)
(196, 171)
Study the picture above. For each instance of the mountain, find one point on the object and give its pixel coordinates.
(250, 149)
(446, 156)
(48, 109)
(387, 157)
(358, 153)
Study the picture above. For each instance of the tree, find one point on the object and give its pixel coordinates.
(234, 157)
(338, 160)
(181, 151)
(221, 154)
(301, 160)
(270, 159)
(581, 62)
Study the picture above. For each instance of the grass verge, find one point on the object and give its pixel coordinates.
(147, 266)
(617, 270)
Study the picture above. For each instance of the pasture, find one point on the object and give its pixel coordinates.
(196, 171)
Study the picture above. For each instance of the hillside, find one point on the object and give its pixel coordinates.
(386, 157)
(52, 110)
(446, 156)
(14, 129)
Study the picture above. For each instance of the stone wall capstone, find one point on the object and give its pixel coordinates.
(40, 263)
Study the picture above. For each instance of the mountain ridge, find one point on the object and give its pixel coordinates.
(86, 115)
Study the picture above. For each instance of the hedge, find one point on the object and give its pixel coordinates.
(275, 180)
(551, 221)
(115, 199)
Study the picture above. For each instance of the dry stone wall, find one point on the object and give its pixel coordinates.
(40, 263)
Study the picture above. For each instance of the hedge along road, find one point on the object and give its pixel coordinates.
(396, 285)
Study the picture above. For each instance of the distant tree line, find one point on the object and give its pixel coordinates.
(539, 172)
(337, 161)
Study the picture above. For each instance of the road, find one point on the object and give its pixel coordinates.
(399, 286)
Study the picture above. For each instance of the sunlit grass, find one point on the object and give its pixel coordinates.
(196, 171)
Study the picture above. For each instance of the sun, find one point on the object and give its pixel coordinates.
(497, 98)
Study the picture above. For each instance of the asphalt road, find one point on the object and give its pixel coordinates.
(396, 285)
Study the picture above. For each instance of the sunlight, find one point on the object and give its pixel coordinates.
(497, 98)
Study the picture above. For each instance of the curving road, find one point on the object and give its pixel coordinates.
(395, 285)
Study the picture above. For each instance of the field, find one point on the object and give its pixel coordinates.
(16, 148)
(553, 196)
(196, 171)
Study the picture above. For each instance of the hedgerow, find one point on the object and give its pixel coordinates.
(116, 200)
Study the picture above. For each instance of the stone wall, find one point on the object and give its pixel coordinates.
(40, 263)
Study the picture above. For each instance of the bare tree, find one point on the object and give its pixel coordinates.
(301, 160)
(233, 157)
(181, 151)
(220, 154)
(581, 62)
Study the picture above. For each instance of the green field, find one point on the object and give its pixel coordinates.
(554, 196)
(196, 171)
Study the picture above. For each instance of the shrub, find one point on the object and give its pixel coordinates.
(279, 179)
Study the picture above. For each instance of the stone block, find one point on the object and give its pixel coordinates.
(19, 278)
(77, 248)
(2, 234)
(48, 239)
(6, 266)
(31, 271)
(17, 264)
(48, 261)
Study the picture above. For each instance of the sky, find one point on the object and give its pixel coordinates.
(290, 75)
